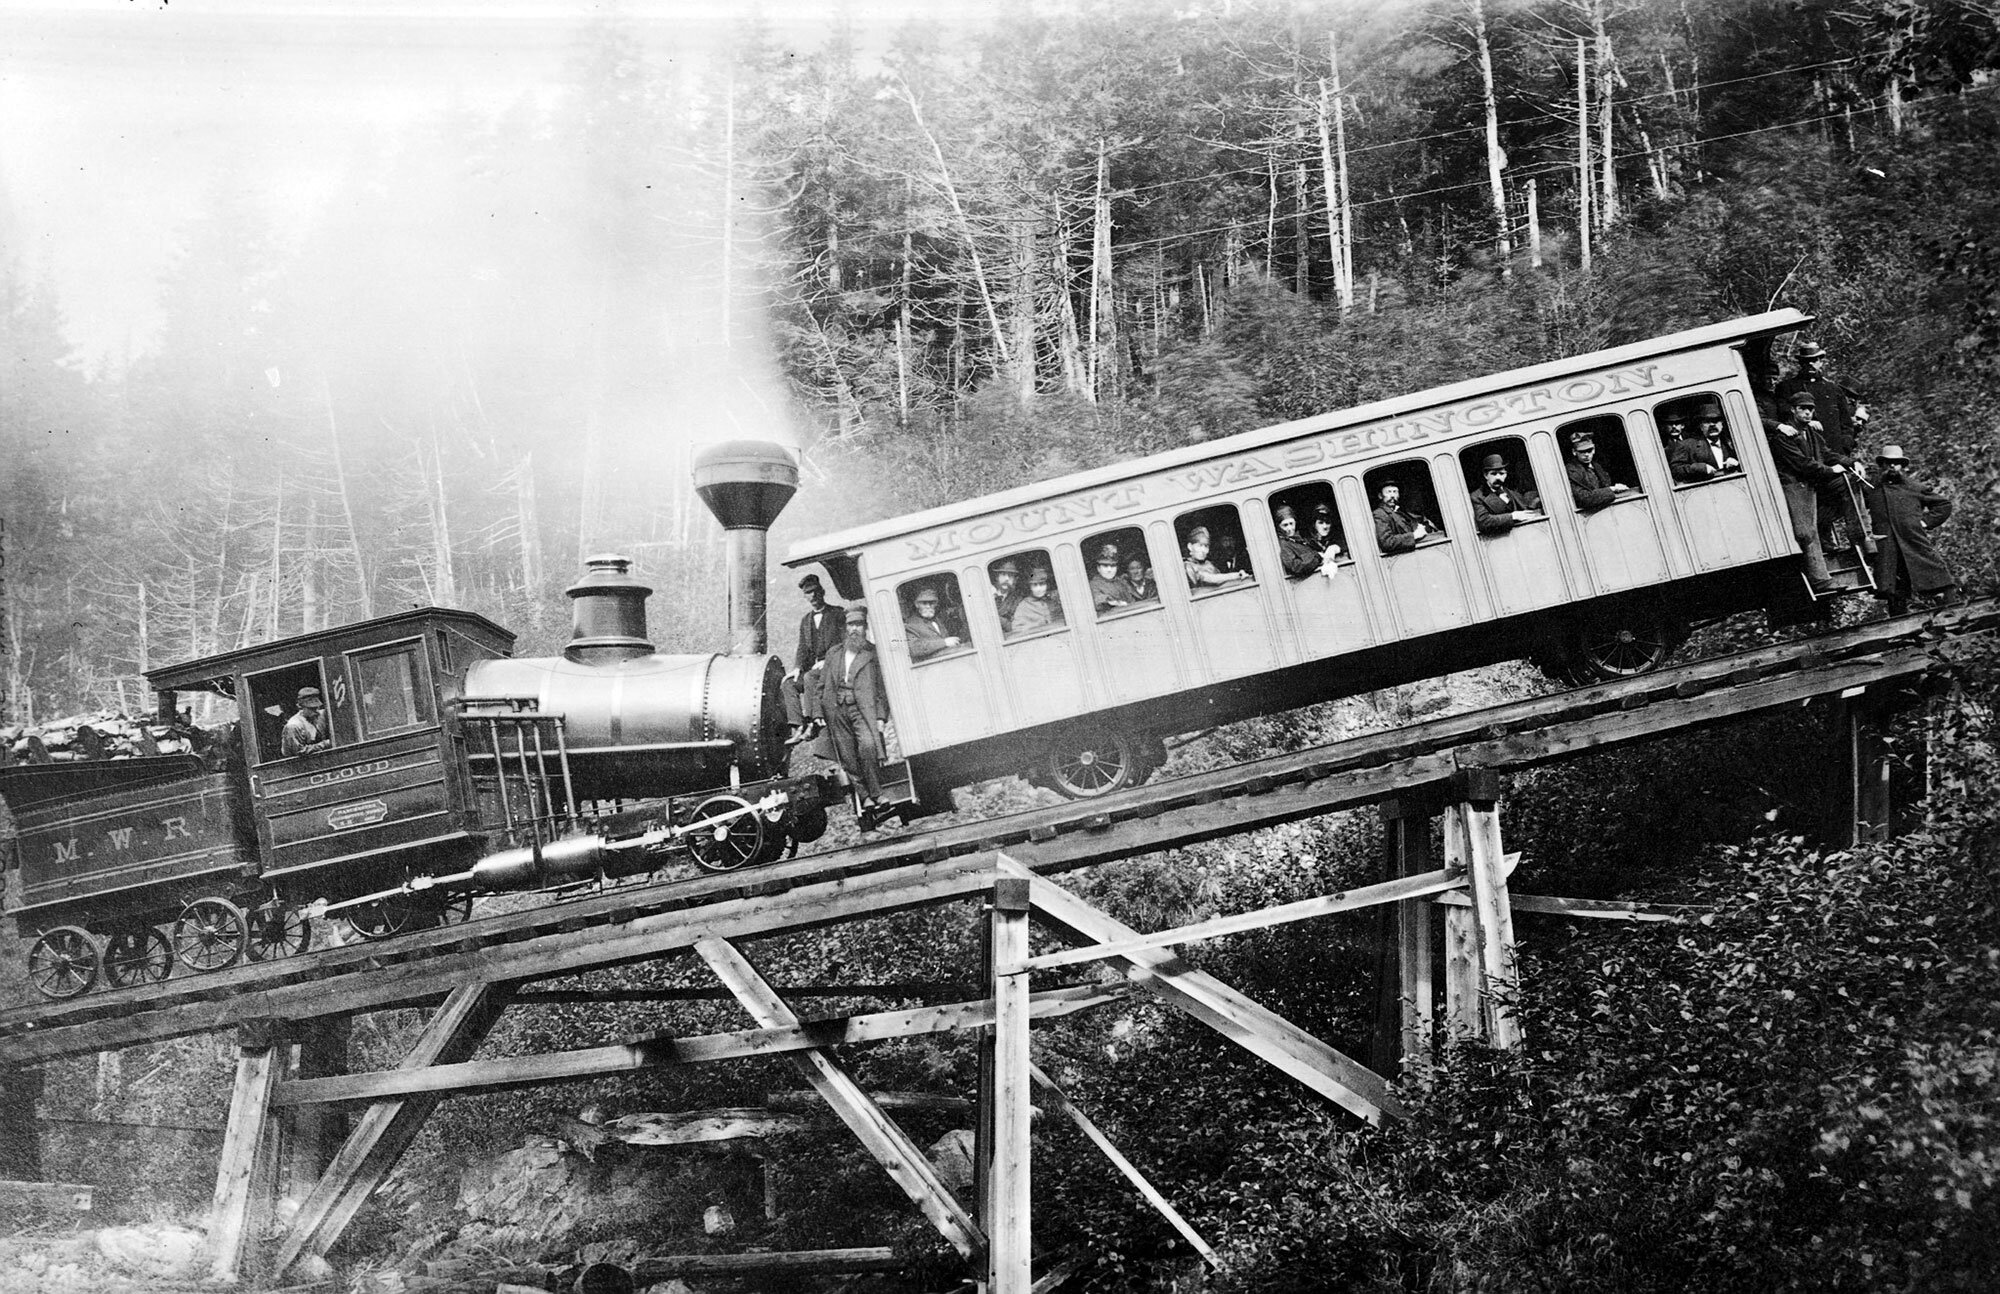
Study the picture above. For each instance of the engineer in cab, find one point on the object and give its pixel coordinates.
(307, 732)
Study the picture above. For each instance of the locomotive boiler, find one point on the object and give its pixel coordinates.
(454, 768)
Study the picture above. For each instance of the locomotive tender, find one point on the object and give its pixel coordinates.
(455, 769)
(1085, 701)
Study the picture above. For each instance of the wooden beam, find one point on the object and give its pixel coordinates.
(796, 1262)
(1261, 1032)
(1595, 909)
(1493, 922)
(1367, 896)
(1462, 1016)
(469, 1077)
(1009, 1216)
(903, 1159)
(64, 1196)
(1058, 1098)
(387, 1129)
(231, 1213)
(1410, 855)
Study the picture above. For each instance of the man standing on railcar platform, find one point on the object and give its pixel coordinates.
(1803, 471)
(1498, 507)
(1906, 561)
(1841, 414)
(852, 702)
(819, 630)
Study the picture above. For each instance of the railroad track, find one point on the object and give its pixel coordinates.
(1154, 816)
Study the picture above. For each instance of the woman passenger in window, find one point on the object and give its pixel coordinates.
(1295, 553)
(1321, 537)
(1040, 609)
(1201, 572)
(1139, 581)
(1108, 591)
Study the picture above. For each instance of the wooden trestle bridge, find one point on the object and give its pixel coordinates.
(1450, 766)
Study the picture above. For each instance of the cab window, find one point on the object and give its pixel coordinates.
(274, 699)
(1594, 449)
(393, 694)
(1119, 571)
(1024, 593)
(1406, 507)
(1316, 516)
(1213, 554)
(934, 625)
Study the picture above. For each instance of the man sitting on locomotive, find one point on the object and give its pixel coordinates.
(1108, 591)
(1201, 572)
(307, 732)
(1703, 454)
(927, 635)
(819, 630)
(1041, 608)
(1298, 557)
(853, 702)
(1590, 485)
(1499, 507)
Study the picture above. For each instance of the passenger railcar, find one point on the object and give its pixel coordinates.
(1085, 697)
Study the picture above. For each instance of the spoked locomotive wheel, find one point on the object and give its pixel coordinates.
(210, 935)
(1083, 763)
(1621, 646)
(277, 930)
(137, 955)
(729, 845)
(386, 917)
(63, 963)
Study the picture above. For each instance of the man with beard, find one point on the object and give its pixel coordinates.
(1498, 507)
(1396, 531)
(1906, 561)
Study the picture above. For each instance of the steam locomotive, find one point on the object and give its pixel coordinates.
(455, 769)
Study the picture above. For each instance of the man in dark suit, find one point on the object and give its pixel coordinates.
(819, 630)
(1498, 507)
(1703, 454)
(924, 632)
(1396, 531)
(1590, 485)
(856, 709)
(1906, 561)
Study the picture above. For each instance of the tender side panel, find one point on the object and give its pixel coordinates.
(366, 799)
(117, 841)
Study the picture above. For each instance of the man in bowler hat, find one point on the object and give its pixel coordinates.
(1498, 507)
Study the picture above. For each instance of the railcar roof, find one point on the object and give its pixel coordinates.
(819, 548)
(193, 674)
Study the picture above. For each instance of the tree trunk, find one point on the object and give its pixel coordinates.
(1583, 181)
(1496, 157)
(1024, 310)
(446, 591)
(965, 231)
(347, 508)
(1103, 316)
(1333, 174)
(1606, 69)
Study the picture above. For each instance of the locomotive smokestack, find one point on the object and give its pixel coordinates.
(608, 613)
(746, 484)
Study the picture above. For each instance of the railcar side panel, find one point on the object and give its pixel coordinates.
(1523, 567)
(1136, 646)
(1330, 616)
(322, 809)
(1043, 678)
(1230, 627)
(946, 697)
(1621, 545)
(1425, 592)
(118, 841)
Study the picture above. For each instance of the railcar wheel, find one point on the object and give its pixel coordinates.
(454, 909)
(385, 918)
(1622, 646)
(211, 935)
(137, 955)
(277, 930)
(63, 963)
(1084, 763)
(730, 845)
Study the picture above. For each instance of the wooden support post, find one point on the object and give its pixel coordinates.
(387, 1129)
(1061, 1102)
(242, 1180)
(311, 1133)
(1493, 922)
(1867, 766)
(1407, 825)
(903, 1158)
(20, 1136)
(1008, 1217)
(982, 1121)
(1462, 1017)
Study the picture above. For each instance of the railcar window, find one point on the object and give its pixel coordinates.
(393, 695)
(1317, 518)
(1213, 554)
(274, 699)
(1024, 593)
(934, 624)
(1406, 509)
(1597, 458)
(1699, 441)
(1120, 571)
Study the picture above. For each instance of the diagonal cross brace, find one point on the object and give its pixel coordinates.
(1260, 1031)
(887, 1141)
